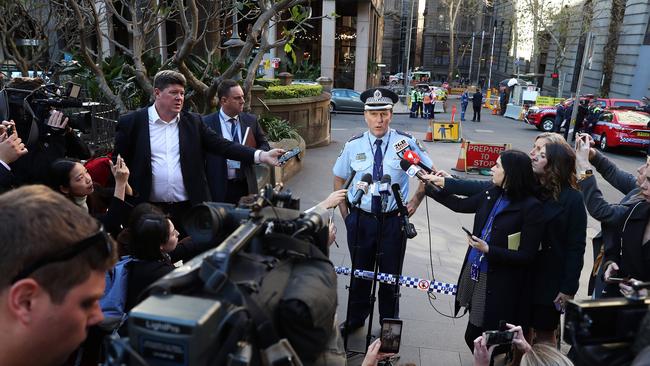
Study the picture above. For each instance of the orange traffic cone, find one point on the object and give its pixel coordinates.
(429, 136)
(461, 165)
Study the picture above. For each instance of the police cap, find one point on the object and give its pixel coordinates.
(379, 99)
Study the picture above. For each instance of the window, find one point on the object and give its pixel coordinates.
(626, 104)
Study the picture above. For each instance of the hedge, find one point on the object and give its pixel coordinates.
(293, 91)
(277, 128)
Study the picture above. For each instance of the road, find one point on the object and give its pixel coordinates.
(431, 336)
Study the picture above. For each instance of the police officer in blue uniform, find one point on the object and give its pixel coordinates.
(373, 152)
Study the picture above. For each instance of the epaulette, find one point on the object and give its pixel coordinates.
(404, 134)
(355, 137)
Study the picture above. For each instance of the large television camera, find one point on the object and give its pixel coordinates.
(29, 103)
(265, 295)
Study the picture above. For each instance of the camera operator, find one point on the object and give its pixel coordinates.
(51, 276)
(11, 148)
(47, 140)
(628, 255)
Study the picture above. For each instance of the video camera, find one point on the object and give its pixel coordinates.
(265, 295)
(30, 103)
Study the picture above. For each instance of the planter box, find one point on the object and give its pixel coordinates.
(309, 116)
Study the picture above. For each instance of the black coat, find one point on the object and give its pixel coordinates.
(477, 99)
(631, 255)
(559, 263)
(507, 288)
(216, 169)
(195, 140)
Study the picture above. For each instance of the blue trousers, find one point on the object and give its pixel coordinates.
(391, 257)
(463, 108)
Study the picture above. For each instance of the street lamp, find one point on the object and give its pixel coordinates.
(234, 44)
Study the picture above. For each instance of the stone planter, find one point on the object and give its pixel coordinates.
(293, 166)
(309, 116)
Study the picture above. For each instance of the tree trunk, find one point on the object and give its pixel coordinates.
(617, 14)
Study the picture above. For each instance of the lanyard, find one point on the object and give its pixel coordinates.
(488, 227)
(385, 148)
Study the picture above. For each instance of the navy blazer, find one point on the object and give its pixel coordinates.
(195, 140)
(215, 165)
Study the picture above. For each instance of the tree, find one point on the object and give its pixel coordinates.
(199, 24)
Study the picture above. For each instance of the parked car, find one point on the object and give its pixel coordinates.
(346, 100)
(621, 127)
(543, 117)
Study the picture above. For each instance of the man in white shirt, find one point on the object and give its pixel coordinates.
(165, 147)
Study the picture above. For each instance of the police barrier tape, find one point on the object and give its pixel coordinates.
(405, 281)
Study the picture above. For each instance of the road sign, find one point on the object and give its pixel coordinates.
(482, 155)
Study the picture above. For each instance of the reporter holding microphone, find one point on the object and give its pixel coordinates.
(506, 234)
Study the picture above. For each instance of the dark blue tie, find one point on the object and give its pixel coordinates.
(233, 130)
(377, 173)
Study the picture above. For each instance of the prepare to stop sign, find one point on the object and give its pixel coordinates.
(481, 155)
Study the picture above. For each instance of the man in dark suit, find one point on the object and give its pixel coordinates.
(230, 180)
(165, 147)
(477, 103)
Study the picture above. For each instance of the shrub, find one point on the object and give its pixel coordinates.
(267, 82)
(293, 91)
(277, 128)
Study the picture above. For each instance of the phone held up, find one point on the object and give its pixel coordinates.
(469, 233)
(288, 155)
(496, 337)
(391, 335)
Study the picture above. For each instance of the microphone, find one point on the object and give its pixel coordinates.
(348, 181)
(400, 146)
(417, 172)
(384, 191)
(409, 229)
(362, 188)
(413, 158)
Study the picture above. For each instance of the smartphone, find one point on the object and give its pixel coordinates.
(618, 280)
(288, 155)
(10, 130)
(469, 233)
(391, 335)
(494, 337)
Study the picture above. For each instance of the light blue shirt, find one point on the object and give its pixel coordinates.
(226, 126)
(359, 153)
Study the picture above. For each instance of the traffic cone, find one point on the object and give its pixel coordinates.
(429, 136)
(460, 163)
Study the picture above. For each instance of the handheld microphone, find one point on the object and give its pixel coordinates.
(384, 191)
(413, 158)
(417, 172)
(348, 181)
(400, 146)
(362, 188)
(409, 229)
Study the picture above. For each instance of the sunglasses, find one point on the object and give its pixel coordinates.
(100, 240)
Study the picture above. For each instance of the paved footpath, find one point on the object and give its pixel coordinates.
(430, 335)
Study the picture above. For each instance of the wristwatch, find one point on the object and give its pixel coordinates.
(588, 173)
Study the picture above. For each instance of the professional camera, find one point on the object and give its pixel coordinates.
(265, 295)
(29, 104)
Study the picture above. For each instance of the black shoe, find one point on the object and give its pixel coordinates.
(349, 330)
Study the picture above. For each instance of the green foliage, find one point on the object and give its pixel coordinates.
(293, 91)
(304, 70)
(277, 128)
(267, 82)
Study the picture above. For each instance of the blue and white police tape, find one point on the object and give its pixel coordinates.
(405, 281)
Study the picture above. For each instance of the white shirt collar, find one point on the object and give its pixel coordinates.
(155, 117)
(226, 118)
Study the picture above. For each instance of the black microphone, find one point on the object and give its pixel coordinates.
(415, 171)
(384, 191)
(409, 229)
(362, 188)
(348, 181)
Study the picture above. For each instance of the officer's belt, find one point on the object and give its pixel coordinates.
(370, 214)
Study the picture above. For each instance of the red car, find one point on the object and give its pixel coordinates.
(620, 127)
(543, 117)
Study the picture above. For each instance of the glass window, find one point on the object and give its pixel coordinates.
(626, 104)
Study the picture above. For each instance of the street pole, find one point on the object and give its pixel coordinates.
(407, 81)
(494, 34)
(471, 59)
(480, 54)
(576, 100)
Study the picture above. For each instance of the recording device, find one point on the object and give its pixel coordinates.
(496, 337)
(617, 280)
(415, 171)
(384, 191)
(413, 158)
(400, 146)
(250, 299)
(409, 228)
(469, 233)
(603, 321)
(288, 155)
(391, 335)
(30, 107)
(362, 188)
